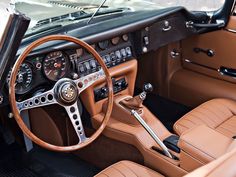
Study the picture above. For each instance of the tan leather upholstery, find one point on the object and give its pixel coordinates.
(201, 141)
(218, 114)
(128, 169)
(201, 145)
(222, 167)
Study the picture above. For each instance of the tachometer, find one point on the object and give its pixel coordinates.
(55, 65)
(23, 80)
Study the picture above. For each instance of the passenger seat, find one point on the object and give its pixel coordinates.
(218, 114)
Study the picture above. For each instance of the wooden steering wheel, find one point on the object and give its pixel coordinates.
(65, 93)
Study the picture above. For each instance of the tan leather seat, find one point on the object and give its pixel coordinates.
(222, 167)
(128, 169)
(218, 114)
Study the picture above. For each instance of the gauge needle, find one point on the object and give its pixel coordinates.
(47, 73)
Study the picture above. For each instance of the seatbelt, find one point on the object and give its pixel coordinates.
(28, 142)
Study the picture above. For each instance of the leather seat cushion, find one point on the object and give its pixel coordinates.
(218, 114)
(128, 169)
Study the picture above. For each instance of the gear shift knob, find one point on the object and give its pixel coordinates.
(148, 88)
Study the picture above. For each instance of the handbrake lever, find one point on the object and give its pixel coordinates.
(151, 133)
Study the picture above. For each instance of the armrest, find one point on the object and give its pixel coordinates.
(204, 143)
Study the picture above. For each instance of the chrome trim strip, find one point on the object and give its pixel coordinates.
(198, 64)
(231, 30)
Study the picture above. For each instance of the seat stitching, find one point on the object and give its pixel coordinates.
(228, 107)
(226, 129)
(191, 121)
(120, 171)
(192, 118)
(227, 124)
(130, 169)
(204, 114)
(197, 148)
(104, 173)
(220, 107)
(196, 116)
(225, 121)
(181, 123)
(218, 117)
(185, 126)
(199, 117)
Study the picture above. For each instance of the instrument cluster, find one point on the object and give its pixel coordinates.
(48, 68)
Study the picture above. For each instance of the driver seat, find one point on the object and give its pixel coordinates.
(128, 169)
(223, 166)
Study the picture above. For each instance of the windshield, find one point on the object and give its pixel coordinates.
(51, 13)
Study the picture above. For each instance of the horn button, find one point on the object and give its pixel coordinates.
(67, 92)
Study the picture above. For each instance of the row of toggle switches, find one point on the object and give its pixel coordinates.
(111, 59)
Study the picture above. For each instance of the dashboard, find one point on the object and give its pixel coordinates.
(117, 40)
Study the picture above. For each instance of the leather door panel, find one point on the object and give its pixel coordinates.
(199, 80)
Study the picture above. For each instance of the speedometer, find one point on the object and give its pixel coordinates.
(23, 79)
(55, 65)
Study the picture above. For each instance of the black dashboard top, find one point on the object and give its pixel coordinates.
(110, 27)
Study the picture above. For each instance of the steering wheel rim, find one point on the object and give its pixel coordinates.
(14, 105)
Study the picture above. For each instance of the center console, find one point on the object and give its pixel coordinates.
(124, 127)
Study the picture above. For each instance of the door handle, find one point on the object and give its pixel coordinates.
(227, 71)
(208, 52)
(218, 24)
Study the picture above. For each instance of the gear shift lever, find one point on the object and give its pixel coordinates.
(147, 88)
(136, 102)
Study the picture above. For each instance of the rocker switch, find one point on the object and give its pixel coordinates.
(146, 40)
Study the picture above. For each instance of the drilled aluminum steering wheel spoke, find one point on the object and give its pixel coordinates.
(40, 100)
(74, 115)
(89, 80)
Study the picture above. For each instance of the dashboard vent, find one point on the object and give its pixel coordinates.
(74, 5)
(60, 18)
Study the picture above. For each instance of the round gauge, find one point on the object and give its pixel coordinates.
(23, 79)
(55, 65)
(125, 37)
(103, 45)
(115, 40)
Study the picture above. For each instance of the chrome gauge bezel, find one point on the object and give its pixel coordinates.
(29, 85)
(67, 66)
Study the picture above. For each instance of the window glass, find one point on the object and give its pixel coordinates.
(51, 13)
(193, 5)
